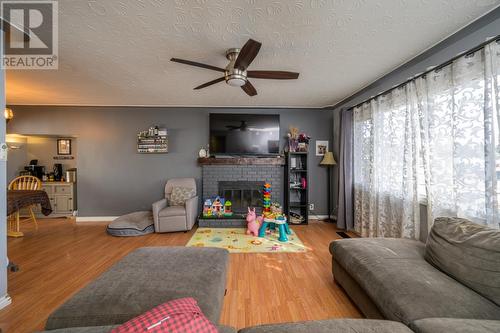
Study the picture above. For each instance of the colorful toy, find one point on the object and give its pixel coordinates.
(253, 223)
(218, 206)
(280, 222)
(276, 209)
(207, 208)
(266, 200)
(228, 210)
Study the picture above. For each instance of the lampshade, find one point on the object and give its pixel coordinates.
(328, 159)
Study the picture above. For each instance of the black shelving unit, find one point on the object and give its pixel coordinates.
(296, 195)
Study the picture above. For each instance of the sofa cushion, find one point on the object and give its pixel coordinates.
(468, 252)
(332, 326)
(439, 325)
(172, 211)
(107, 329)
(144, 279)
(405, 287)
(178, 315)
(180, 195)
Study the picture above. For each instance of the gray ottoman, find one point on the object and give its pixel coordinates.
(133, 224)
(146, 278)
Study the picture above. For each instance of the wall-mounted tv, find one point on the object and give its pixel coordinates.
(244, 134)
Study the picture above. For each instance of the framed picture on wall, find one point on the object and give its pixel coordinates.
(63, 146)
(321, 147)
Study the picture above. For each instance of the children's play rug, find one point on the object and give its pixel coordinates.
(237, 241)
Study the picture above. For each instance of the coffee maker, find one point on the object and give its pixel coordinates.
(58, 172)
(34, 169)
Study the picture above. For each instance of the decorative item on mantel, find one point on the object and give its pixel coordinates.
(297, 142)
(153, 141)
(204, 152)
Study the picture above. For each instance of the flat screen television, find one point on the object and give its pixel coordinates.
(244, 134)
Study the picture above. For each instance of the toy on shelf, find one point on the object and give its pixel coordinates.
(228, 208)
(253, 223)
(207, 208)
(218, 206)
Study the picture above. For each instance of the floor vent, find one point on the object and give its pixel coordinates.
(343, 234)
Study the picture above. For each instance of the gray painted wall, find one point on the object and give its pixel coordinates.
(113, 179)
(465, 39)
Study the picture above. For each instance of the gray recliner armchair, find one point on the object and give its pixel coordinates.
(176, 218)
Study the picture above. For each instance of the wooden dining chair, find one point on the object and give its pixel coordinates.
(26, 183)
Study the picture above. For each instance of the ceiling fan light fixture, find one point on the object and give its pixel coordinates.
(236, 80)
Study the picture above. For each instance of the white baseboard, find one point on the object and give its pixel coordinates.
(5, 301)
(112, 218)
(95, 218)
(321, 217)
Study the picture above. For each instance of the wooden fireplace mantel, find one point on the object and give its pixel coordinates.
(242, 161)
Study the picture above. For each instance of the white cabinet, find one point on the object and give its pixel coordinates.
(62, 198)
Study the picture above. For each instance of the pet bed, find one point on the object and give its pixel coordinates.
(133, 224)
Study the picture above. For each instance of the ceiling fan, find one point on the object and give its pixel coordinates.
(236, 73)
(243, 127)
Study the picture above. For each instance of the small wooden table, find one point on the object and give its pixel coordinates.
(18, 199)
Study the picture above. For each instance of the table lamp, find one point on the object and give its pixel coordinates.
(328, 161)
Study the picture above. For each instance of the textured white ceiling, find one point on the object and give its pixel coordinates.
(116, 52)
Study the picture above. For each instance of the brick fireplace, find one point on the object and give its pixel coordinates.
(240, 180)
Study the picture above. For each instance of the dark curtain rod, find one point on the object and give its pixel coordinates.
(444, 64)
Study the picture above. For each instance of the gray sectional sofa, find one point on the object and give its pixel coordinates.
(456, 275)
(401, 284)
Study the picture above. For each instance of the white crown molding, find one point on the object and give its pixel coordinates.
(193, 106)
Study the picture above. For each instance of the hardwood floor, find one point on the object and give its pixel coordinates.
(63, 256)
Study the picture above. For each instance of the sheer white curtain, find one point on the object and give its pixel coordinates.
(434, 141)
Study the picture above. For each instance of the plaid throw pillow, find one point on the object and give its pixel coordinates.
(178, 316)
(179, 195)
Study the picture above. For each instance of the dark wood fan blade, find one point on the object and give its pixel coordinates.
(210, 83)
(249, 89)
(275, 75)
(198, 64)
(247, 54)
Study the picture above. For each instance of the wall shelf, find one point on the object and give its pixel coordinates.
(156, 144)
